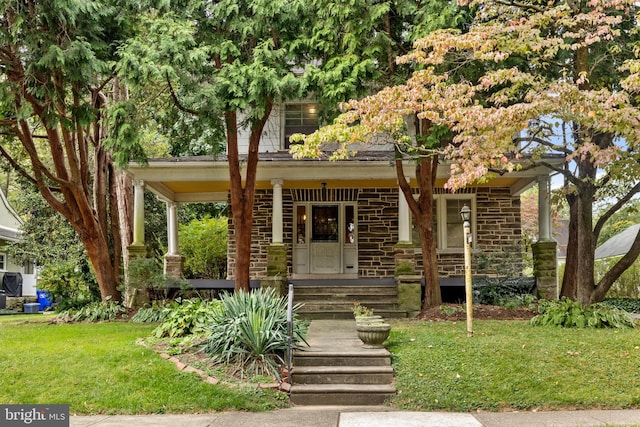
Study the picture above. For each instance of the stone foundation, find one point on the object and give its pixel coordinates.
(410, 294)
(545, 268)
(173, 266)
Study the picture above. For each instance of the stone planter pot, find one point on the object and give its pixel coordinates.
(373, 335)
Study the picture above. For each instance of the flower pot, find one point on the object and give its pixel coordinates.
(373, 335)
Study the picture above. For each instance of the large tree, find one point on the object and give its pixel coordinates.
(224, 65)
(557, 81)
(56, 65)
(359, 59)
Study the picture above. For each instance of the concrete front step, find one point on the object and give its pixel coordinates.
(340, 394)
(364, 357)
(345, 290)
(348, 305)
(342, 375)
(346, 314)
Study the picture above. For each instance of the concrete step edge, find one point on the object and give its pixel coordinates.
(343, 388)
(327, 370)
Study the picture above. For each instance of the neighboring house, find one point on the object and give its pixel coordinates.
(316, 219)
(619, 244)
(10, 224)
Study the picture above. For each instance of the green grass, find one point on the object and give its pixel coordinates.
(510, 364)
(98, 369)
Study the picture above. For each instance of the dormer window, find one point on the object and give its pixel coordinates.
(299, 118)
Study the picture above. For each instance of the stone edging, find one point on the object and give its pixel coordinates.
(282, 385)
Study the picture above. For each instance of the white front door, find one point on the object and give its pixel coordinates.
(325, 242)
(325, 239)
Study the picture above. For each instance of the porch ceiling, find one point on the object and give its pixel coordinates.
(206, 180)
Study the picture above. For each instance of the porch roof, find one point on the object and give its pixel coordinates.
(206, 179)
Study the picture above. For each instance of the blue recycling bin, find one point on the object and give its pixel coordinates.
(44, 299)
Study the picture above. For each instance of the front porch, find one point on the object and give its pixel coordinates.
(347, 221)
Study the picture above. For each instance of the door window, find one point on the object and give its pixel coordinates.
(325, 223)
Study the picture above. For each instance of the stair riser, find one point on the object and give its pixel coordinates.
(343, 379)
(341, 290)
(341, 361)
(355, 399)
(330, 314)
(346, 306)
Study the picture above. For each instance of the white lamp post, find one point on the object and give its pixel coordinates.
(465, 213)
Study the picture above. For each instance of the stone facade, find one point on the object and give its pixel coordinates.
(498, 228)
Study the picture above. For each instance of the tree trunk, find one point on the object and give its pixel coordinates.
(242, 197)
(422, 210)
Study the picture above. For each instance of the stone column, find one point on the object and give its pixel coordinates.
(277, 250)
(408, 283)
(173, 261)
(545, 260)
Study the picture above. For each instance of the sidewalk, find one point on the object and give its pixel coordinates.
(326, 334)
(342, 416)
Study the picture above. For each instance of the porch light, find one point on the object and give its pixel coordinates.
(465, 213)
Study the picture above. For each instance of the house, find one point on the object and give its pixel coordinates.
(11, 273)
(343, 221)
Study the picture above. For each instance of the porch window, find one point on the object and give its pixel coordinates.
(299, 118)
(448, 223)
(3, 261)
(350, 225)
(301, 222)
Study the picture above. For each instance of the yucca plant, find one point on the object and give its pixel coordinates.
(250, 332)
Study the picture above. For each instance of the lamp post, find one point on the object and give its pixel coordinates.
(465, 213)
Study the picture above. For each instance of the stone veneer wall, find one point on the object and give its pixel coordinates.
(498, 228)
(377, 231)
(261, 235)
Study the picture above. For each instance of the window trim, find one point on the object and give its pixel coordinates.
(441, 221)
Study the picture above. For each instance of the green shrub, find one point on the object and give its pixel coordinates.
(145, 273)
(68, 286)
(571, 314)
(250, 332)
(203, 243)
(95, 312)
(187, 317)
(504, 291)
(627, 285)
(630, 305)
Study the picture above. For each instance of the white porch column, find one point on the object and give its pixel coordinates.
(544, 211)
(172, 228)
(138, 213)
(276, 224)
(404, 219)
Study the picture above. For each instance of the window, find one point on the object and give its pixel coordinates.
(299, 118)
(448, 222)
(3, 261)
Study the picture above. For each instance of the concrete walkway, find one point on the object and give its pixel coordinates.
(327, 335)
(313, 416)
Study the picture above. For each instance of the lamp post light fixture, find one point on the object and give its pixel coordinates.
(465, 213)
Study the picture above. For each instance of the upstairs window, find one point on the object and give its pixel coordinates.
(3, 261)
(299, 118)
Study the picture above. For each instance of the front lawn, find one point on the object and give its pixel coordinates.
(98, 369)
(512, 365)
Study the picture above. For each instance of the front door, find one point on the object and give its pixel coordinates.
(326, 244)
(325, 239)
